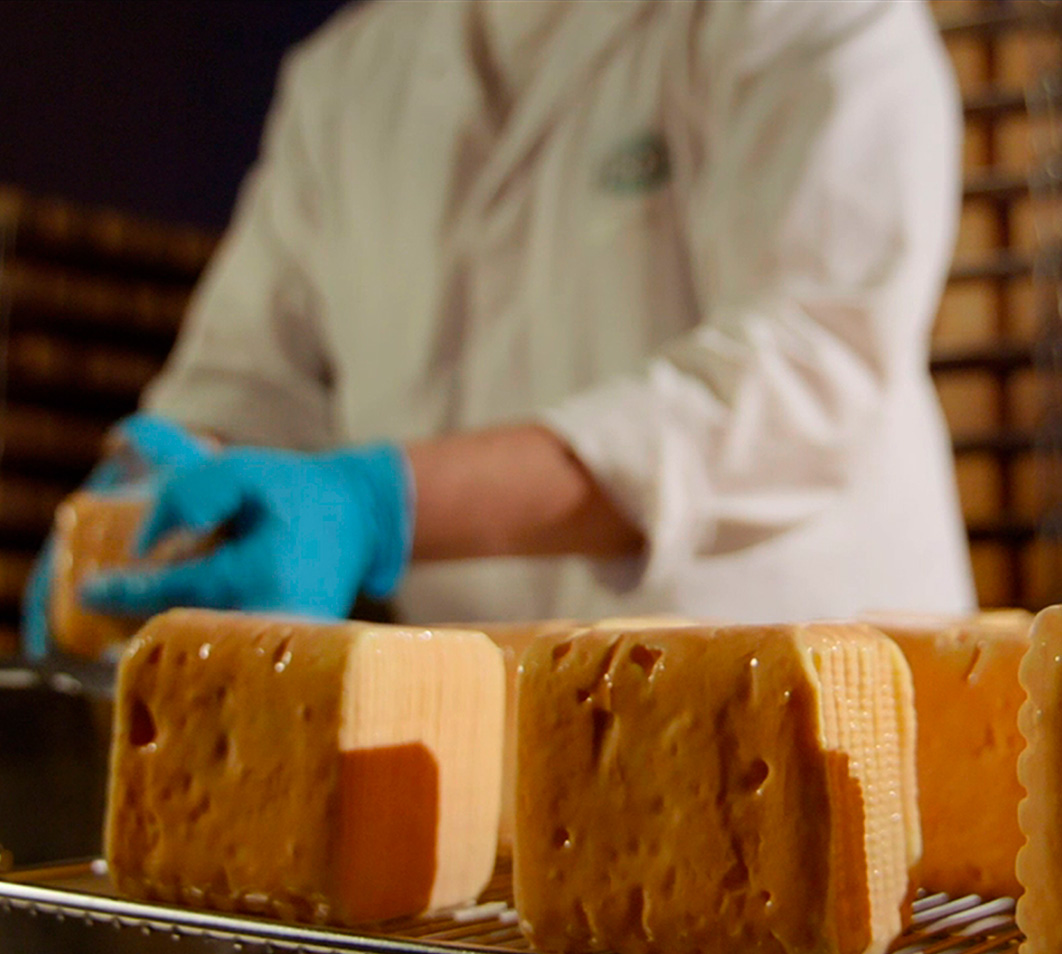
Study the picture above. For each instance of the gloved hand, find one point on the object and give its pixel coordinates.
(303, 533)
(146, 446)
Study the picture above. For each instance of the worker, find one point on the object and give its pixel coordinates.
(575, 309)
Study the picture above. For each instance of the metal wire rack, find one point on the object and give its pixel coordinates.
(62, 907)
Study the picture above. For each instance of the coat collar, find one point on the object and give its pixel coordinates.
(583, 37)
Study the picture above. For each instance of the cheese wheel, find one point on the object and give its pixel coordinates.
(967, 695)
(1039, 865)
(93, 532)
(513, 639)
(329, 772)
(715, 790)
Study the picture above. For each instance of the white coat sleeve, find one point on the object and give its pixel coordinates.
(250, 364)
(819, 225)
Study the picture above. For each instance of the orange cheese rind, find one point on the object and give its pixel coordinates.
(1039, 862)
(93, 532)
(715, 790)
(513, 639)
(967, 695)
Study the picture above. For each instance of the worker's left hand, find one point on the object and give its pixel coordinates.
(301, 533)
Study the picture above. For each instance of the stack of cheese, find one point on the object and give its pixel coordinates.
(346, 773)
(333, 695)
(671, 787)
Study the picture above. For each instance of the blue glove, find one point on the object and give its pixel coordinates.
(303, 533)
(147, 445)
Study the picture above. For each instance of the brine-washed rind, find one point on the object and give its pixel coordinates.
(319, 771)
(715, 790)
(1039, 865)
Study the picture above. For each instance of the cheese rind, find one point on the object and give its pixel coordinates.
(660, 774)
(93, 532)
(98, 531)
(967, 695)
(334, 772)
(1039, 865)
(514, 639)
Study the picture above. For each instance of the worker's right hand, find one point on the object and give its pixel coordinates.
(144, 446)
(301, 533)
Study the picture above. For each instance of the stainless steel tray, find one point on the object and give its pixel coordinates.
(73, 908)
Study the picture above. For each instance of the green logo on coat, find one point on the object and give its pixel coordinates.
(636, 165)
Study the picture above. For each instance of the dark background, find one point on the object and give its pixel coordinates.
(150, 106)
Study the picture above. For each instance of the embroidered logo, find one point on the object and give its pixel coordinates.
(639, 164)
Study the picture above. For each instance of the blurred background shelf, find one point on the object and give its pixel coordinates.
(91, 299)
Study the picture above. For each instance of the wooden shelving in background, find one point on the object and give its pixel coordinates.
(91, 301)
(988, 361)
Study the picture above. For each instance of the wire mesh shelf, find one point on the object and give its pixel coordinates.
(80, 896)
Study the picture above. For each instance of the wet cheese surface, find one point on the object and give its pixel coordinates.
(1039, 912)
(330, 772)
(967, 695)
(514, 639)
(715, 790)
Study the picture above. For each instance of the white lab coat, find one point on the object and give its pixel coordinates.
(704, 243)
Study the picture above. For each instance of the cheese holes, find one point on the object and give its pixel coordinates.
(636, 912)
(221, 748)
(282, 655)
(142, 730)
(755, 776)
(602, 721)
(646, 658)
(562, 838)
(560, 651)
(737, 876)
(971, 667)
(199, 809)
(154, 656)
